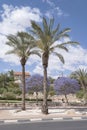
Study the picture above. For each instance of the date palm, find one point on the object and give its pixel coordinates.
(23, 45)
(81, 76)
(46, 37)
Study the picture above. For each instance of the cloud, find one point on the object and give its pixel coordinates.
(38, 70)
(54, 10)
(14, 19)
(17, 18)
(74, 59)
(50, 3)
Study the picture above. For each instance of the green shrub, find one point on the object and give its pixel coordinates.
(80, 94)
(85, 96)
(31, 92)
(40, 99)
(75, 104)
(51, 93)
(2, 90)
(9, 96)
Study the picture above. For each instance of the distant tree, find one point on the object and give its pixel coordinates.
(7, 84)
(81, 76)
(35, 84)
(51, 90)
(51, 80)
(65, 85)
(11, 75)
(4, 80)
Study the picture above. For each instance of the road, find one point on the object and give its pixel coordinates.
(49, 125)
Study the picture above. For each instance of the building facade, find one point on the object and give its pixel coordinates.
(18, 76)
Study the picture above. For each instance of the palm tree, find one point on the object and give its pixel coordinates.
(81, 76)
(47, 36)
(23, 45)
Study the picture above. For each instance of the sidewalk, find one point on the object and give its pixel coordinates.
(35, 113)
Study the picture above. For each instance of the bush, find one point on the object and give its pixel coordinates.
(80, 94)
(51, 93)
(9, 96)
(31, 92)
(40, 99)
(2, 90)
(75, 104)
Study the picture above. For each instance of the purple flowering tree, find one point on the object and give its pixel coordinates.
(66, 85)
(35, 83)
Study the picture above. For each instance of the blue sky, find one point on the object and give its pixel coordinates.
(15, 15)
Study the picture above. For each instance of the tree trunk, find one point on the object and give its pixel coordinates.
(23, 87)
(36, 98)
(45, 93)
(67, 102)
(82, 86)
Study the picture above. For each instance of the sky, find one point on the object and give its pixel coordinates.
(15, 15)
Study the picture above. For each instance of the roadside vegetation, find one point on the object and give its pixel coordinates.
(11, 92)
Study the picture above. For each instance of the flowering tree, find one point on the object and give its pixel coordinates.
(65, 85)
(35, 83)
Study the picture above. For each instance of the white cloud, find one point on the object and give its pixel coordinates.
(50, 3)
(38, 70)
(74, 59)
(17, 18)
(14, 19)
(54, 10)
(34, 59)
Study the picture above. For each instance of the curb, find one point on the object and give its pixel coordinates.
(41, 120)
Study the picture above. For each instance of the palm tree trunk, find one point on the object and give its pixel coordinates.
(23, 87)
(45, 93)
(82, 85)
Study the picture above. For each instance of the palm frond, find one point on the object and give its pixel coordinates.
(60, 37)
(70, 42)
(59, 47)
(62, 34)
(40, 44)
(51, 23)
(10, 52)
(66, 30)
(45, 26)
(36, 27)
(35, 52)
(56, 30)
(59, 56)
(15, 51)
(12, 40)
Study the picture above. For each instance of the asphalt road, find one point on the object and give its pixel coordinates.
(58, 125)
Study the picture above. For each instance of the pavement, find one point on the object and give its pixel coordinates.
(34, 114)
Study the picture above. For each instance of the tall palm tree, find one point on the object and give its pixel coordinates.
(81, 76)
(47, 36)
(23, 45)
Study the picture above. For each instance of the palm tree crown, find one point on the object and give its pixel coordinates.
(47, 36)
(23, 45)
(81, 76)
